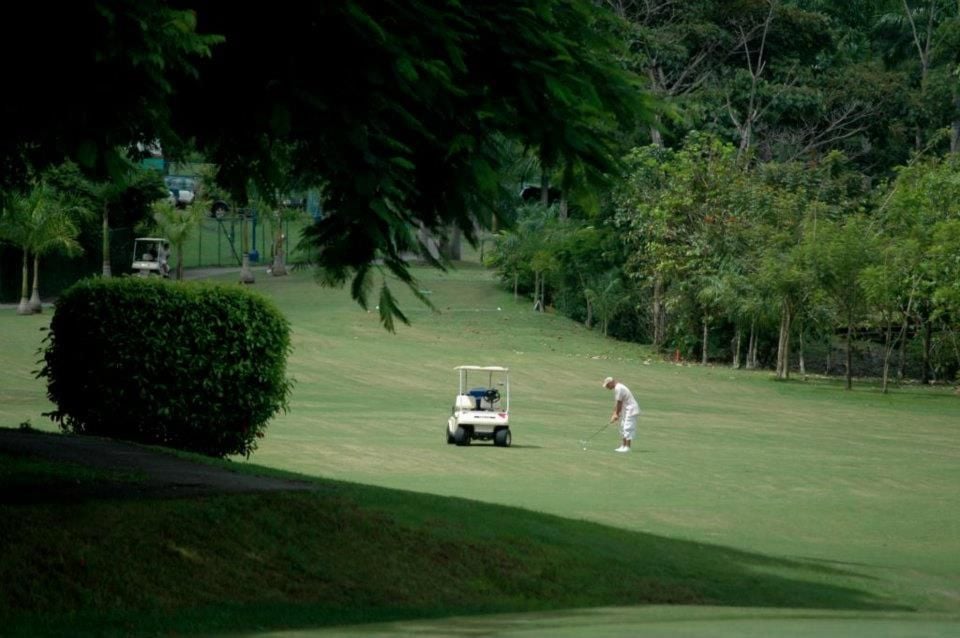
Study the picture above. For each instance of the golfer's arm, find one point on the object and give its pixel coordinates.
(616, 410)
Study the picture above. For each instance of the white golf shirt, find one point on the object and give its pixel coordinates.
(630, 407)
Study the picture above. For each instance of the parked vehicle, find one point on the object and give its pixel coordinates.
(182, 189)
(481, 413)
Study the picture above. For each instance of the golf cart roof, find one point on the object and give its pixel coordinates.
(483, 368)
(149, 239)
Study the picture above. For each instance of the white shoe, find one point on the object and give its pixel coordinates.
(622, 448)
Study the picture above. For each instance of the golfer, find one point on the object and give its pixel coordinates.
(625, 409)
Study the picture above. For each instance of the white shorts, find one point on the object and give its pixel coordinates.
(628, 427)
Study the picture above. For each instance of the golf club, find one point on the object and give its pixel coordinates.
(584, 442)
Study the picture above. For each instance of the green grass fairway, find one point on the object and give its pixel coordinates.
(805, 471)
(658, 621)
(849, 490)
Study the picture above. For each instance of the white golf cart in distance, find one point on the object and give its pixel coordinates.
(151, 256)
(481, 412)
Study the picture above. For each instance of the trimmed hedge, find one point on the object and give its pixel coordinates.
(190, 366)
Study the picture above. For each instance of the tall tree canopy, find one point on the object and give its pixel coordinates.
(398, 108)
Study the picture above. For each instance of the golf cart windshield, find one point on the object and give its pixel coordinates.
(494, 394)
(148, 248)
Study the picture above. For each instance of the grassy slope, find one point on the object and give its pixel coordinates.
(800, 470)
(744, 491)
(350, 553)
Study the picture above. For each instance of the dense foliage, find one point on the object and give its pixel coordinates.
(795, 208)
(189, 366)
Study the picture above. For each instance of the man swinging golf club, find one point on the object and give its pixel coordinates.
(625, 409)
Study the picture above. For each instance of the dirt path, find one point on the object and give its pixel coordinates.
(163, 474)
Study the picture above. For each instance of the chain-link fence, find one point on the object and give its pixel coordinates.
(222, 241)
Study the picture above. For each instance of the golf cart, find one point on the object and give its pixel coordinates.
(150, 256)
(481, 412)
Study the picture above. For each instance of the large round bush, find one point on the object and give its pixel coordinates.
(186, 365)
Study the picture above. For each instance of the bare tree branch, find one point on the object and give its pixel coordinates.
(755, 70)
(841, 123)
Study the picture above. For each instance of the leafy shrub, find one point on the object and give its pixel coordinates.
(186, 365)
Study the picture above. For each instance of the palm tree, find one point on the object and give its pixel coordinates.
(15, 230)
(39, 223)
(108, 192)
(54, 230)
(607, 297)
(178, 224)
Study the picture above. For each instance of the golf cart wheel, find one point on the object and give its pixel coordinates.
(450, 439)
(502, 437)
(461, 436)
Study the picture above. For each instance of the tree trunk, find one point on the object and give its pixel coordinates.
(656, 138)
(737, 337)
(35, 305)
(429, 242)
(537, 307)
(536, 291)
(849, 358)
(706, 341)
(516, 285)
(783, 343)
(563, 207)
(544, 188)
(956, 349)
(106, 271)
(902, 355)
(24, 307)
(537, 294)
(803, 365)
(180, 264)
(246, 275)
(278, 269)
(745, 140)
(658, 327)
(887, 351)
(586, 297)
(454, 245)
(752, 346)
(927, 338)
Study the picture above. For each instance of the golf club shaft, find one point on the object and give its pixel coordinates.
(599, 431)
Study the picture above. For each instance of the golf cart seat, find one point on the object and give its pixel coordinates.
(478, 395)
(485, 397)
(465, 402)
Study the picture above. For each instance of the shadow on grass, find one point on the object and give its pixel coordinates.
(492, 446)
(637, 567)
(345, 553)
